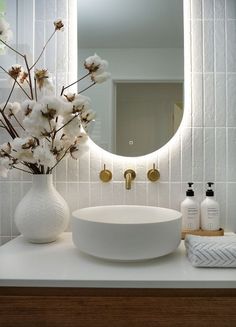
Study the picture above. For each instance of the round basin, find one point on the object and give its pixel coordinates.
(126, 232)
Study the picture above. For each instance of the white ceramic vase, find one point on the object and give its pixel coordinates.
(42, 214)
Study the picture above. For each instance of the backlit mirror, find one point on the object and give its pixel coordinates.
(140, 108)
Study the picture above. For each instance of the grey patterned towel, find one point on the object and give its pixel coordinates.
(212, 251)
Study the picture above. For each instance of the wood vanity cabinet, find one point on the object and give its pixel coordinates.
(104, 307)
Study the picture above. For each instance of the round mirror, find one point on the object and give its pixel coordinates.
(140, 108)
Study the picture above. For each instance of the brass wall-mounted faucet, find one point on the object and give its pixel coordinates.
(129, 175)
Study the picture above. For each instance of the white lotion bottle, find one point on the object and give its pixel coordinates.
(210, 211)
(190, 211)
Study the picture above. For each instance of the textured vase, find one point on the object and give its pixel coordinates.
(42, 214)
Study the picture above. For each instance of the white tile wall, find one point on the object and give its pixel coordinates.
(203, 149)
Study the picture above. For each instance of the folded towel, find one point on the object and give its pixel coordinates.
(212, 251)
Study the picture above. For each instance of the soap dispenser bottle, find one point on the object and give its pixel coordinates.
(210, 213)
(190, 211)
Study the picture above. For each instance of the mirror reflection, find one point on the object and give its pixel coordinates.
(141, 107)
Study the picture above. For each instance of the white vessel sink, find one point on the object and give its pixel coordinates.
(126, 232)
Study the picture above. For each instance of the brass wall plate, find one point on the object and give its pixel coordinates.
(105, 175)
(153, 174)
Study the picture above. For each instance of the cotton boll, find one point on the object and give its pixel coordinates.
(72, 127)
(81, 103)
(22, 149)
(79, 150)
(36, 124)
(12, 109)
(100, 78)
(44, 156)
(5, 149)
(103, 66)
(51, 107)
(92, 63)
(66, 109)
(88, 115)
(5, 163)
(5, 31)
(27, 106)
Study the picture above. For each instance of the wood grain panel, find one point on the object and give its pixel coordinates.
(43, 307)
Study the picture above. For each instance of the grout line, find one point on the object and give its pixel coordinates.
(226, 113)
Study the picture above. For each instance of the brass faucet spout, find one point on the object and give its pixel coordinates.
(129, 175)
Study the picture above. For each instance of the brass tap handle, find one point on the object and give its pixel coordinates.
(105, 175)
(129, 175)
(153, 174)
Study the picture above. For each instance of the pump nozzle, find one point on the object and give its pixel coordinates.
(190, 191)
(210, 192)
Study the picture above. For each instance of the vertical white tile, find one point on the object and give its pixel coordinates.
(186, 154)
(5, 209)
(141, 170)
(231, 100)
(209, 156)
(231, 45)
(118, 193)
(84, 168)
(220, 46)
(107, 193)
(72, 196)
(220, 194)
(175, 195)
(231, 171)
(152, 193)
(220, 99)
(40, 37)
(164, 164)
(231, 205)
(50, 52)
(197, 46)
(196, 6)
(84, 195)
(62, 52)
(40, 10)
(175, 159)
(96, 165)
(50, 9)
(197, 98)
(130, 195)
(220, 154)
(95, 193)
(220, 9)
(72, 170)
(208, 57)
(163, 199)
(62, 9)
(141, 193)
(208, 9)
(209, 100)
(231, 9)
(61, 171)
(199, 191)
(198, 155)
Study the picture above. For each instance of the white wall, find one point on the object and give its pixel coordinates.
(204, 149)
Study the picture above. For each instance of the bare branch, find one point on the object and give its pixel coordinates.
(43, 50)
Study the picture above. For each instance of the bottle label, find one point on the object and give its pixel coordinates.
(212, 213)
(192, 212)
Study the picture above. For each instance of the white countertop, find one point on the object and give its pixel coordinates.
(60, 264)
